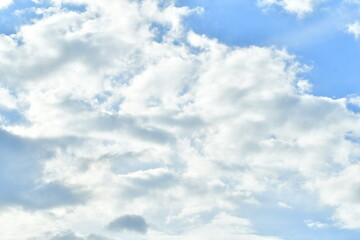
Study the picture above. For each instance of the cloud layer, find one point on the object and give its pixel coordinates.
(132, 114)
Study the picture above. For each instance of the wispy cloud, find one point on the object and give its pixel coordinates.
(298, 7)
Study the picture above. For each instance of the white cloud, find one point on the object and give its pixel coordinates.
(5, 3)
(314, 224)
(7, 100)
(284, 205)
(298, 7)
(354, 28)
(355, 100)
(157, 122)
(342, 192)
(223, 227)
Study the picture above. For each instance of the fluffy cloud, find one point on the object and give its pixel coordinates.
(354, 28)
(298, 7)
(129, 113)
(5, 4)
(342, 192)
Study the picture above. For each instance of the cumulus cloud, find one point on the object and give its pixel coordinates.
(354, 28)
(342, 192)
(133, 113)
(133, 223)
(5, 4)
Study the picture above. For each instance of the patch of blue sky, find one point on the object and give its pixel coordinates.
(354, 108)
(74, 7)
(293, 225)
(294, 222)
(318, 39)
(17, 14)
(102, 98)
(11, 117)
(352, 138)
(159, 31)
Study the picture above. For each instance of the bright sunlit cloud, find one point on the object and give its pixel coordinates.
(120, 121)
(5, 3)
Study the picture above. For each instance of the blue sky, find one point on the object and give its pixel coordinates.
(154, 120)
(318, 40)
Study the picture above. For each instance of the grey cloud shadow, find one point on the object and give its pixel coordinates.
(185, 122)
(21, 168)
(130, 162)
(149, 182)
(132, 223)
(69, 235)
(132, 127)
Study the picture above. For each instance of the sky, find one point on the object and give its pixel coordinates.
(179, 119)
